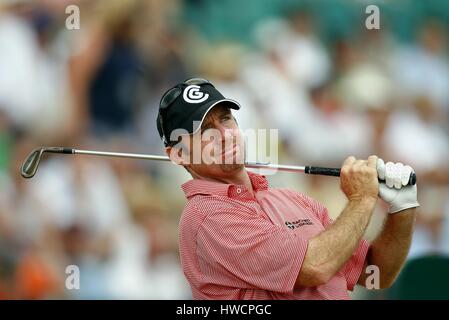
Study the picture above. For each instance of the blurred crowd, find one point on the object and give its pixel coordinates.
(367, 92)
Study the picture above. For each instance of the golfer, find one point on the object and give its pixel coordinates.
(241, 239)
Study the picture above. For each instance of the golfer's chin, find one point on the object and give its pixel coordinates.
(235, 167)
(231, 161)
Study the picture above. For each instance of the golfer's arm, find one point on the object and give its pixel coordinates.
(331, 249)
(389, 251)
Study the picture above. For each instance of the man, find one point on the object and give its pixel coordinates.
(241, 239)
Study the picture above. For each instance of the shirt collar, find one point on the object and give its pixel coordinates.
(197, 186)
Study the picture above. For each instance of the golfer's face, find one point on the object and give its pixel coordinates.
(218, 144)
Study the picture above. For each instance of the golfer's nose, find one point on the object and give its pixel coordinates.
(225, 132)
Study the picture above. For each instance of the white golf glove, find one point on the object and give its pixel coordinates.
(395, 191)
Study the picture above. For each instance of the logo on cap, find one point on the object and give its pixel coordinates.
(192, 94)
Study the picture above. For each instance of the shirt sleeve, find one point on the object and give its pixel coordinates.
(354, 267)
(244, 250)
(324, 218)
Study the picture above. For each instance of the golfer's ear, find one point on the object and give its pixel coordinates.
(177, 155)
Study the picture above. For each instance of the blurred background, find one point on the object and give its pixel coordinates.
(308, 68)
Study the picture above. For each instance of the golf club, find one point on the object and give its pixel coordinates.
(31, 164)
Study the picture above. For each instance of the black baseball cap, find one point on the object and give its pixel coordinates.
(186, 103)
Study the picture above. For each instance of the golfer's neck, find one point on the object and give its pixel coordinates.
(241, 177)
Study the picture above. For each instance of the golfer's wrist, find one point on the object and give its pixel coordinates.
(362, 205)
(408, 207)
(364, 200)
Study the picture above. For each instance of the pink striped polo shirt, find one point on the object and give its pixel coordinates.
(236, 246)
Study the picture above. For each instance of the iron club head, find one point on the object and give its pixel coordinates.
(31, 163)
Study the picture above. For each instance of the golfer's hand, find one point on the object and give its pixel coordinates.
(358, 179)
(395, 191)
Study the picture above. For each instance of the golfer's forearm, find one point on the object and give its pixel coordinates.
(331, 249)
(389, 251)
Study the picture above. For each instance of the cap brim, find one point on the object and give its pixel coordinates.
(202, 112)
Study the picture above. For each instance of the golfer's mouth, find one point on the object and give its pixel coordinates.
(231, 155)
(230, 151)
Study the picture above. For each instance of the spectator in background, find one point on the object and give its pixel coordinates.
(430, 149)
(304, 55)
(267, 77)
(99, 87)
(429, 75)
(33, 86)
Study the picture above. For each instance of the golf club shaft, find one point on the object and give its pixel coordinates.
(165, 158)
(288, 168)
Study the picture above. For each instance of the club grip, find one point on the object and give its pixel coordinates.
(323, 171)
(336, 173)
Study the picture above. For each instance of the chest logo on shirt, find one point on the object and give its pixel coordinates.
(298, 223)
